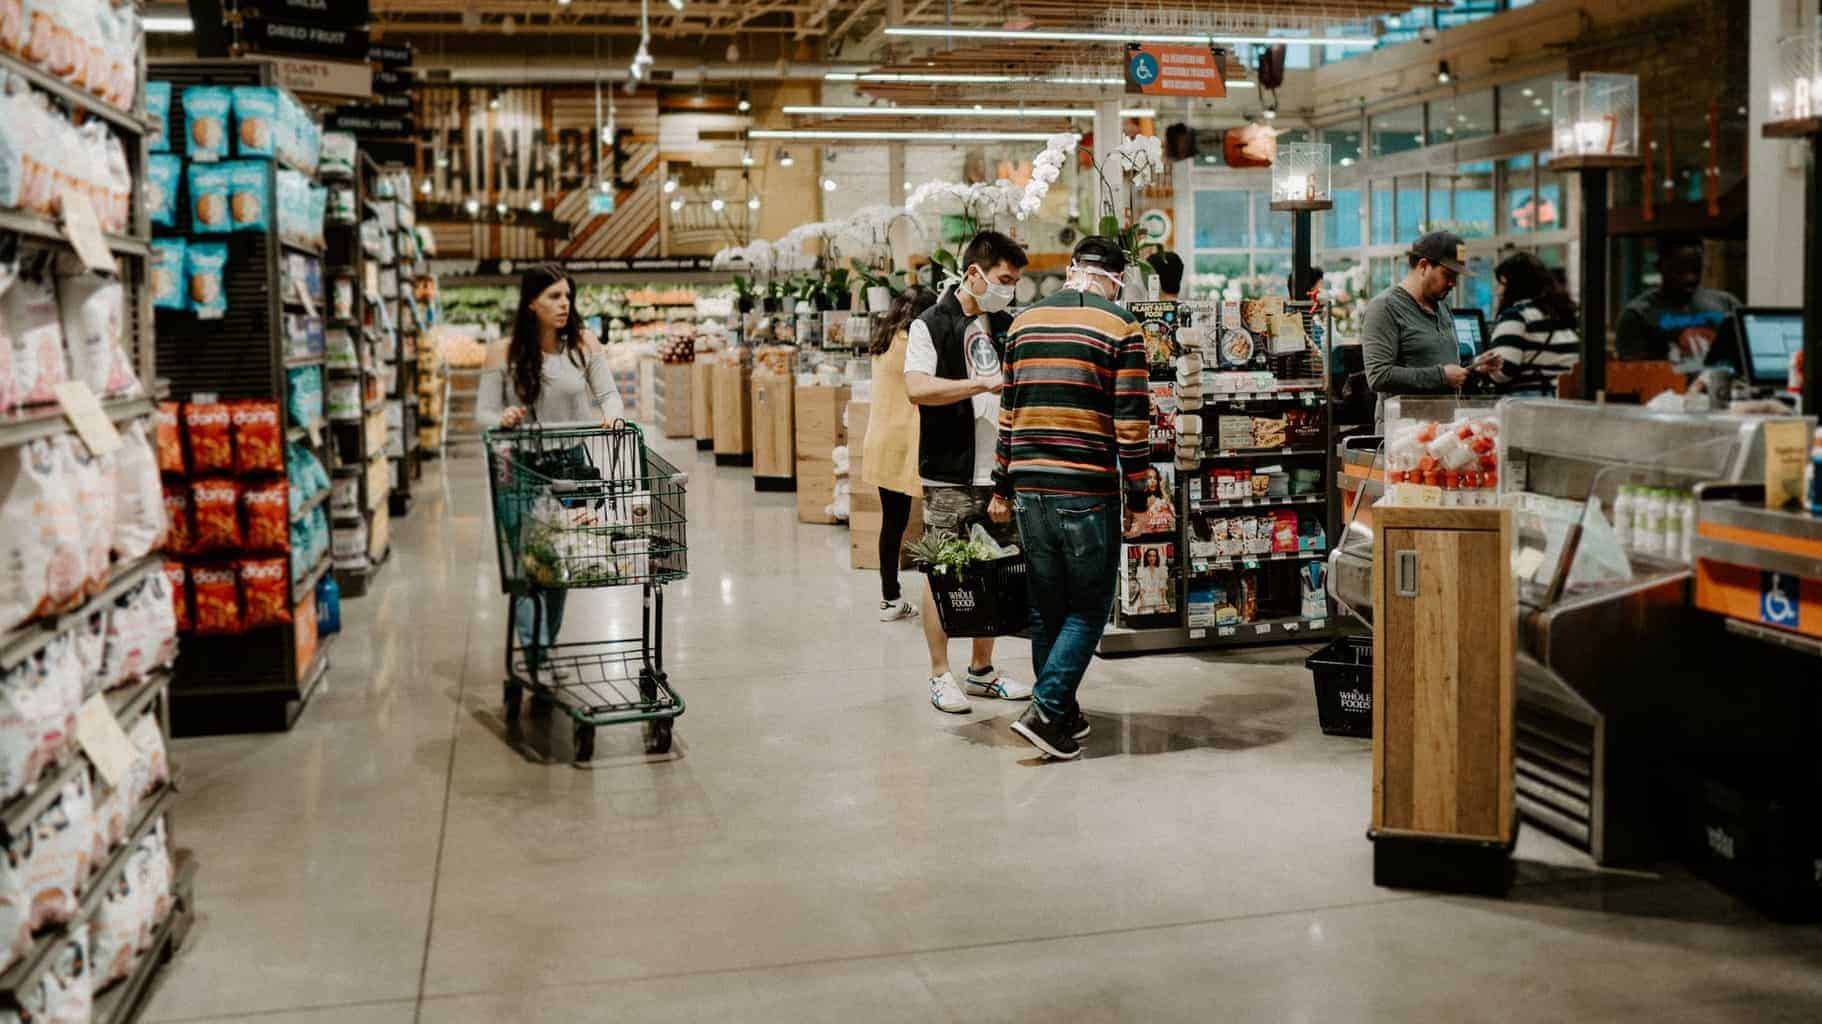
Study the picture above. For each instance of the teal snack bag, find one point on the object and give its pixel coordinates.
(209, 200)
(158, 108)
(164, 179)
(256, 120)
(167, 274)
(205, 120)
(206, 289)
(249, 195)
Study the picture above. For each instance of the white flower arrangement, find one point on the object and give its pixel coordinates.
(1141, 159)
(1046, 167)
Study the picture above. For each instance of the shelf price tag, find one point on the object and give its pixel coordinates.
(303, 296)
(1198, 634)
(1251, 563)
(84, 231)
(104, 741)
(85, 414)
(1263, 628)
(1290, 627)
(1318, 623)
(1227, 630)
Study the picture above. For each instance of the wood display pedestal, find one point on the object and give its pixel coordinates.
(733, 413)
(676, 419)
(818, 431)
(774, 433)
(702, 401)
(1443, 649)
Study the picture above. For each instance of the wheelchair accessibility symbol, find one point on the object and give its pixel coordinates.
(1143, 68)
(1778, 600)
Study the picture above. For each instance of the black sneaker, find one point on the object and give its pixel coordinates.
(1052, 738)
(1078, 725)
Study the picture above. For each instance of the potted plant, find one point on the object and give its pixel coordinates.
(744, 294)
(774, 297)
(882, 287)
(838, 290)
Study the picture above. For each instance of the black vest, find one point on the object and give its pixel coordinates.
(946, 432)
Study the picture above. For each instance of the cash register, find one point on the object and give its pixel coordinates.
(1769, 337)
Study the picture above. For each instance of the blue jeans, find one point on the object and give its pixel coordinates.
(1072, 548)
(525, 620)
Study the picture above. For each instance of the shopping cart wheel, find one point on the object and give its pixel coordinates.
(514, 693)
(585, 742)
(658, 736)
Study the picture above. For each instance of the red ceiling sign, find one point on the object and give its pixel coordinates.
(1175, 70)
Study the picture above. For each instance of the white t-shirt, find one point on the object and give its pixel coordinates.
(920, 357)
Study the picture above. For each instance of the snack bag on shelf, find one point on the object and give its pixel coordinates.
(158, 108)
(93, 310)
(91, 642)
(265, 585)
(249, 195)
(216, 505)
(209, 187)
(168, 281)
(94, 497)
(164, 180)
(255, 120)
(205, 111)
(268, 509)
(153, 763)
(29, 314)
(15, 898)
(28, 708)
(177, 578)
(205, 267)
(40, 533)
(62, 839)
(116, 930)
(180, 536)
(216, 592)
(139, 513)
(210, 429)
(154, 601)
(259, 436)
(63, 994)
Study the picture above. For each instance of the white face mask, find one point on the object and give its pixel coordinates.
(995, 298)
(1079, 275)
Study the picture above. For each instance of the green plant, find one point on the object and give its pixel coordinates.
(1132, 242)
(836, 285)
(946, 554)
(891, 280)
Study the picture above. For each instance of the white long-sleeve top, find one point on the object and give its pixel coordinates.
(571, 393)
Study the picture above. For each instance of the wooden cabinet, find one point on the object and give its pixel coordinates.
(1443, 651)
(702, 401)
(774, 434)
(678, 409)
(733, 408)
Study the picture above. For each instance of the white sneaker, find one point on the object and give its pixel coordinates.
(892, 611)
(946, 696)
(998, 686)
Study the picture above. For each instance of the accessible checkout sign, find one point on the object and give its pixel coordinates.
(1156, 70)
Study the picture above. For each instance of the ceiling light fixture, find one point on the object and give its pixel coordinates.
(676, 204)
(537, 206)
(753, 203)
(424, 187)
(562, 3)
(784, 155)
(744, 105)
(1442, 73)
(493, 100)
(500, 208)
(833, 135)
(173, 23)
(1076, 36)
(828, 185)
(746, 158)
(717, 205)
(670, 185)
(963, 78)
(606, 186)
(975, 111)
(473, 206)
(676, 5)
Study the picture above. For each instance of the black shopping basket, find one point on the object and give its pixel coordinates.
(1343, 673)
(986, 598)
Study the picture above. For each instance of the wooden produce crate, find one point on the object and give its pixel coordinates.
(774, 446)
(733, 404)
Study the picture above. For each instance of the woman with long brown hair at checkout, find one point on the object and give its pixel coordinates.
(889, 454)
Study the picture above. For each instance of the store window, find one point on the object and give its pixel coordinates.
(1474, 200)
(1525, 104)
(1384, 230)
(1341, 225)
(1214, 272)
(1271, 230)
(1273, 271)
(1460, 118)
(1397, 131)
(1409, 210)
(1221, 216)
(1379, 274)
(1344, 145)
(1442, 205)
(1518, 178)
(1552, 199)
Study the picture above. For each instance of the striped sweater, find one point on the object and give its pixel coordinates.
(1537, 349)
(1076, 411)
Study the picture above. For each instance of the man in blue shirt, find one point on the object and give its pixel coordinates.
(1679, 320)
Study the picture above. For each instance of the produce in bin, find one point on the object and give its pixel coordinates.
(1461, 457)
(979, 586)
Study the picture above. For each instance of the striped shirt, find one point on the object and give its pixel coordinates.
(1537, 349)
(1076, 412)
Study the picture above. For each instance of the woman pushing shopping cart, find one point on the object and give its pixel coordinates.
(579, 501)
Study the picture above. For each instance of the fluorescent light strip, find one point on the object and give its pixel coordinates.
(808, 135)
(1014, 112)
(959, 78)
(173, 23)
(1078, 36)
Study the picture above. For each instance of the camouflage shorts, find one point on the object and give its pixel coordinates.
(947, 510)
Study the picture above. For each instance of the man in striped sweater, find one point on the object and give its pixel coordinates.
(1073, 425)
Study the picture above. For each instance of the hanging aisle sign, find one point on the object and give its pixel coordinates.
(269, 35)
(1155, 70)
(347, 13)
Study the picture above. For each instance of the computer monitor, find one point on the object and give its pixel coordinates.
(1768, 337)
(1470, 333)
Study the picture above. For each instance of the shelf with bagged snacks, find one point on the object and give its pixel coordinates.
(48, 421)
(120, 117)
(45, 229)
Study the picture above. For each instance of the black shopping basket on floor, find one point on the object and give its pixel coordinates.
(986, 598)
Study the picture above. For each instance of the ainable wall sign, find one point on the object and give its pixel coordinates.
(390, 56)
(347, 13)
(266, 35)
(1156, 70)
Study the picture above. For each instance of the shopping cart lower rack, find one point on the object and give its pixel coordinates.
(583, 507)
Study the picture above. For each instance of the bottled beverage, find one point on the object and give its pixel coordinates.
(1622, 516)
(1673, 525)
(1812, 475)
(1648, 528)
(1689, 529)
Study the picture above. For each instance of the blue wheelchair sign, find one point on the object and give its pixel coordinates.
(1779, 600)
(1143, 68)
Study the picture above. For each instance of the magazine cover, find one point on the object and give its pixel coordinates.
(1149, 586)
(1158, 513)
(1163, 419)
(1159, 321)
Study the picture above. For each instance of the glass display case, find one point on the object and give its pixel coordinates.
(1596, 117)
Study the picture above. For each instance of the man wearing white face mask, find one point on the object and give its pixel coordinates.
(1074, 430)
(952, 374)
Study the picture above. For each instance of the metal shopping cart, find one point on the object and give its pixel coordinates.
(587, 506)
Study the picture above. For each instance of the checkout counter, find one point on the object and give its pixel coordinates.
(1624, 661)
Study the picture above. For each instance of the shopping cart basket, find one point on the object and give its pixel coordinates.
(587, 506)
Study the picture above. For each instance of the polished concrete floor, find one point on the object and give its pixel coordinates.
(823, 846)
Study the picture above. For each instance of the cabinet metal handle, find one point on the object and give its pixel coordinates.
(1407, 573)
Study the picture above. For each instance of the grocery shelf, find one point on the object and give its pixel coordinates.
(121, 1003)
(35, 226)
(306, 508)
(1118, 640)
(25, 639)
(49, 421)
(129, 121)
(1201, 566)
(293, 362)
(1232, 503)
(307, 586)
(1260, 453)
(307, 250)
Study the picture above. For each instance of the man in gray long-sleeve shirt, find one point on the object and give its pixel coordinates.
(1407, 333)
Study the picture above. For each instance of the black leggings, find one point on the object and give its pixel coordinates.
(897, 509)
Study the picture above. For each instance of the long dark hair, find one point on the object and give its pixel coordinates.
(907, 306)
(524, 355)
(1527, 278)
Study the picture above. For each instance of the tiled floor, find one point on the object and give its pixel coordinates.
(823, 846)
